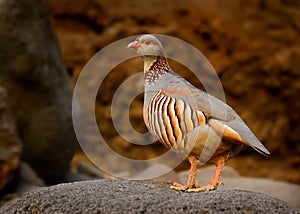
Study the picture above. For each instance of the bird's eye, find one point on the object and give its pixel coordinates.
(147, 42)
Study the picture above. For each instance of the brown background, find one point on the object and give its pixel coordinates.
(253, 45)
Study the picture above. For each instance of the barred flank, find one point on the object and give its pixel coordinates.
(170, 119)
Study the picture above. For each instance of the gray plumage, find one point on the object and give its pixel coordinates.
(213, 108)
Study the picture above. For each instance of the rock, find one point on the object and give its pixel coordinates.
(232, 180)
(170, 176)
(89, 170)
(75, 176)
(128, 196)
(33, 73)
(10, 143)
(28, 179)
(285, 191)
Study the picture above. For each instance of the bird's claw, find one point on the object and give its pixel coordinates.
(182, 187)
(195, 187)
(208, 187)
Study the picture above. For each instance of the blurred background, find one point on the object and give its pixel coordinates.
(254, 47)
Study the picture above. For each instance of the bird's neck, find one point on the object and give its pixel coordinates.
(154, 67)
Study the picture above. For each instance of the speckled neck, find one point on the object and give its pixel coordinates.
(156, 68)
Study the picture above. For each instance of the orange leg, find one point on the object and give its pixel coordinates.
(191, 181)
(214, 181)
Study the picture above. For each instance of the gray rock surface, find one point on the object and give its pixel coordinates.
(128, 196)
(10, 143)
(33, 73)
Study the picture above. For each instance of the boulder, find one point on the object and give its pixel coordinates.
(34, 75)
(129, 196)
(10, 143)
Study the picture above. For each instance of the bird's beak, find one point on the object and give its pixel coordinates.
(134, 45)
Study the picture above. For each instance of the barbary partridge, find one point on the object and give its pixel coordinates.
(187, 119)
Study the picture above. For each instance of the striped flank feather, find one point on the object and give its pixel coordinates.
(170, 119)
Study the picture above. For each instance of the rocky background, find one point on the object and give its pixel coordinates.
(254, 47)
(36, 94)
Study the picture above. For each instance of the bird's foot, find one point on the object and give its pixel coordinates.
(182, 187)
(207, 187)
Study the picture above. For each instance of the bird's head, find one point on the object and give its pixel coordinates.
(147, 45)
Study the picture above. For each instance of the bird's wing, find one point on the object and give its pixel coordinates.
(172, 84)
(221, 117)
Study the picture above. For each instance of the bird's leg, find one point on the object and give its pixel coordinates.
(191, 181)
(214, 181)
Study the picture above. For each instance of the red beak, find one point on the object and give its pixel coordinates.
(134, 45)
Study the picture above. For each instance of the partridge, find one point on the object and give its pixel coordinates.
(187, 119)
